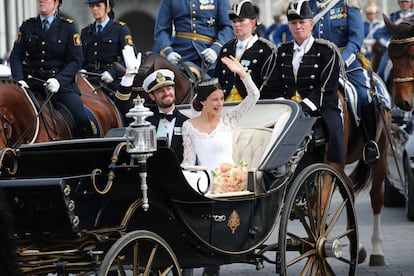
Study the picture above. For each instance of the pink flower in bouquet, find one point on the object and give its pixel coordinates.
(230, 178)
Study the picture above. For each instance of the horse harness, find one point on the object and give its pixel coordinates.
(408, 40)
(38, 110)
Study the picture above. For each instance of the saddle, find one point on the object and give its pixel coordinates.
(351, 95)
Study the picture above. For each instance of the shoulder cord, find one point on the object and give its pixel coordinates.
(330, 66)
(268, 66)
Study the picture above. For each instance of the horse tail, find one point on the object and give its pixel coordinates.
(8, 265)
(360, 176)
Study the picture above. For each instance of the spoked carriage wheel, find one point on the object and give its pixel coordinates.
(140, 253)
(318, 233)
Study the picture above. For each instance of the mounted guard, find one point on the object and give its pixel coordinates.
(47, 54)
(332, 19)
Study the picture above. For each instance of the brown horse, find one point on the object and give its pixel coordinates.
(362, 174)
(25, 119)
(99, 106)
(401, 52)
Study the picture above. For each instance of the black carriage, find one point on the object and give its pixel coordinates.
(100, 206)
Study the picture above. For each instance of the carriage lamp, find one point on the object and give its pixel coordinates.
(141, 142)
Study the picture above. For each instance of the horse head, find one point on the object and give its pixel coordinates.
(401, 53)
(152, 62)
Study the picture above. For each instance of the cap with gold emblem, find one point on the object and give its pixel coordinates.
(158, 79)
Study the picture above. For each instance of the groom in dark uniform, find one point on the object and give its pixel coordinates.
(167, 119)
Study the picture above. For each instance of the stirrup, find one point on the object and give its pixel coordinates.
(370, 152)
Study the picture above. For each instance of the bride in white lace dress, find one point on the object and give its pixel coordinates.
(208, 138)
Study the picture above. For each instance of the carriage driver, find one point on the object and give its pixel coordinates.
(49, 48)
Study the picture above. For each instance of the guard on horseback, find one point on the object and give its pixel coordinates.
(307, 71)
(331, 19)
(47, 54)
(201, 28)
(103, 41)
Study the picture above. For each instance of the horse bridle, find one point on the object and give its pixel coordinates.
(399, 42)
(4, 122)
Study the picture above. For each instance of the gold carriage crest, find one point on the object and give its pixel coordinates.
(234, 221)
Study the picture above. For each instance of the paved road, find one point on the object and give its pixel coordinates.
(398, 245)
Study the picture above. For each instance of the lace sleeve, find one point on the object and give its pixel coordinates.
(189, 155)
(247, 104)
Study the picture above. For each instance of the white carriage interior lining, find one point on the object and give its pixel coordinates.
(258, 131)
(255, 135)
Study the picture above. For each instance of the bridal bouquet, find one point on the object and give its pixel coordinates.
(230, 178)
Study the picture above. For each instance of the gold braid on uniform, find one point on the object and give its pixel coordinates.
(121, 96)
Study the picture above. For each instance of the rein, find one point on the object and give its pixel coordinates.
(35, 119)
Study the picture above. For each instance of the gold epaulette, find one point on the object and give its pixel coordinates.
(67, 20)
(30, 19)
(122, 23)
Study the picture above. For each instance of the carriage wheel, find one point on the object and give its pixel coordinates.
(316, 236)
(140, 253)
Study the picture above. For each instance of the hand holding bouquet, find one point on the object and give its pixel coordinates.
(230, 178)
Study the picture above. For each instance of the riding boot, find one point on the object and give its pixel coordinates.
(371, 151)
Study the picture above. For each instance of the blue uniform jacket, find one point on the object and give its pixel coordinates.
(100, 51)
(58, 49)
(282, 34)
(342, 25)
(202, 17)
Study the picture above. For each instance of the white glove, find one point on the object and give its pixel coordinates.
(106, 77)
(52, 85)
(174, 57)
(209, 55)
(23, 84)
(127, 80)
(83, 73)
(132, 63)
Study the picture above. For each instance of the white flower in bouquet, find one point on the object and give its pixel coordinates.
(230, 178)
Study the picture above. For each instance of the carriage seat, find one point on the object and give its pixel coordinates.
(249, 144)
(253, 143)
